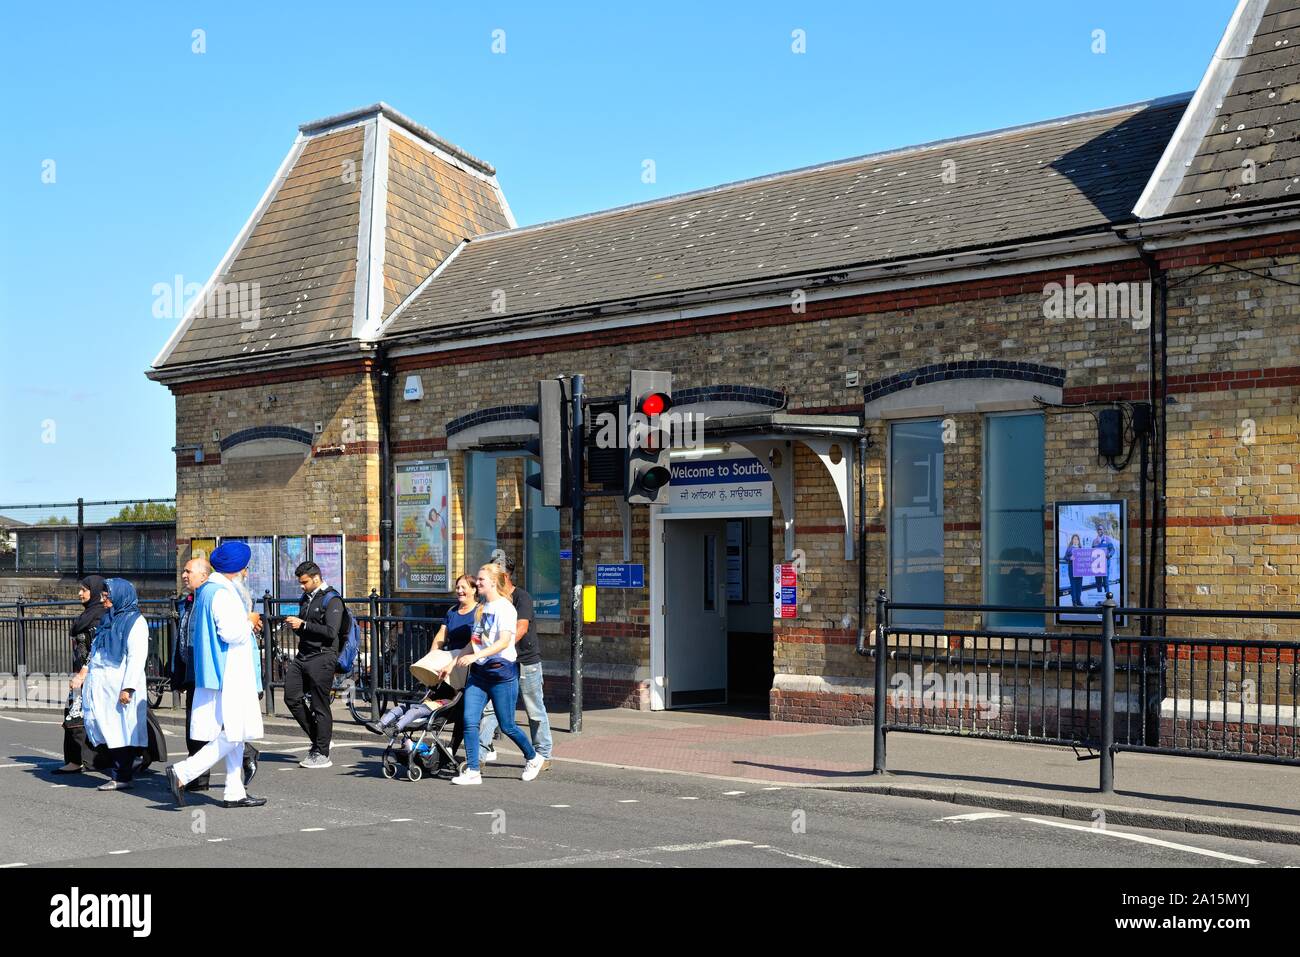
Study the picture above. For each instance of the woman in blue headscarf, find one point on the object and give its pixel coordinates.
(114, 698)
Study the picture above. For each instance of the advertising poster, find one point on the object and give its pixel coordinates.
(261, 565)
(327, 552)
(422, 506)
(202, 547)
(291, 551)
(1090, 556)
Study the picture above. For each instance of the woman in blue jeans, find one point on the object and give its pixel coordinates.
(493, 674)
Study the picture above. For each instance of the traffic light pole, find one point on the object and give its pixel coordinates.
(577, 447)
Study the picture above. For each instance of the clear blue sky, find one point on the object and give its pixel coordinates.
(161, 153)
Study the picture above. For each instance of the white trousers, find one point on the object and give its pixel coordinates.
(208, 755)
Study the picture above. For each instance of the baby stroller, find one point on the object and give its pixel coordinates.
(426, 746)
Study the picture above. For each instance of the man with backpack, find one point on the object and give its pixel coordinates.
(322, 627)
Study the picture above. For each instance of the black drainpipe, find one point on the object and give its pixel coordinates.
(383, 374)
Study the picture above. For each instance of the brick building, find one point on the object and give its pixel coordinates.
(978, 318)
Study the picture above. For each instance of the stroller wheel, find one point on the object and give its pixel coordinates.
(462, 767)
(390, 767)
(414, 770)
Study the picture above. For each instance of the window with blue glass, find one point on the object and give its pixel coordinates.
(1014, 479)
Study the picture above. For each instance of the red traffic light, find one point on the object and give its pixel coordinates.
(654, 404)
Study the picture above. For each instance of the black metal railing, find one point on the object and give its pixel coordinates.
(1232, 698)
(34, 641)
(394, 632)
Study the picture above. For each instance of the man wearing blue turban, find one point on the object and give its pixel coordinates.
(225, 711)
(114, 701)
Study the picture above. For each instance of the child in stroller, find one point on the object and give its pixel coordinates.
(416, 728)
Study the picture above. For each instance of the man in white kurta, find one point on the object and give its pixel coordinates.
(228, 715)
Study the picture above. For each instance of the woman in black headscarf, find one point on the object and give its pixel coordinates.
(78, 753)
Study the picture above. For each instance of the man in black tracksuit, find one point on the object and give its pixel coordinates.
(319, 627)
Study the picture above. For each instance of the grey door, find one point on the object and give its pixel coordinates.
(695, 612)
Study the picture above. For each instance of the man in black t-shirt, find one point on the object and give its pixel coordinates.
(529, 654)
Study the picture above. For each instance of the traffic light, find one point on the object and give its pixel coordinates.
(649, 396)
(551, 447)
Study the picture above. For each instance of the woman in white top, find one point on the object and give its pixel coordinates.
(493, 674)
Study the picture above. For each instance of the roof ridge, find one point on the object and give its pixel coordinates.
(327, 123)
(1157, 102)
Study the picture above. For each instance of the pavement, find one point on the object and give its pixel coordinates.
(582, 813)
(1231, 799)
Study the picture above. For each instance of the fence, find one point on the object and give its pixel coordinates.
(394, 633)
(34, 640)
(123, 537)
(1205, 696)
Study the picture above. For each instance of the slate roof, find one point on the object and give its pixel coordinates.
(308, 255)
(1069, 176)
(1258, 120)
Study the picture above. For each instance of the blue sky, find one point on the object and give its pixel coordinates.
(160, 153)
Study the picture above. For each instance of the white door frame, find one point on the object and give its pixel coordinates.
(658, 700)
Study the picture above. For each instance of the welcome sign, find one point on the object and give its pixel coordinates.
(727, 483)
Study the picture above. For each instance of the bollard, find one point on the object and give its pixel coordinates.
(20, 665)
(1108, 695)
(882, 652)
(268, 695)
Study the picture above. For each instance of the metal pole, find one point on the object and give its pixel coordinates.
(882, 651)
(21, 663)
(173, 627)
(81, 538)
(1108, 695)
(577, 450)
(376, 644)
(268, 693)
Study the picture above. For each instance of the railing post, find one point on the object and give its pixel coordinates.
(174, 625)
(268, 693)
(882, 653)
(376, 647)
(1108, 695)
(20, 664)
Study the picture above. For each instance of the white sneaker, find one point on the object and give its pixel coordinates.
(533, 767)
(468, 777)
(489, 755)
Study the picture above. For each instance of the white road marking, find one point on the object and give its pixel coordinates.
(400, 820)
(21, 764)
(1143, 839)
(215, 840)
(771, 789)
(559, 805)
(309, 830)
(974, 816)
(761, 847)
(687, 798)
(119, 852)
(629, 801)
(732, 793)
(8, 718)
(808, 858)
(58, 785)
(14, 864)
(635, 854)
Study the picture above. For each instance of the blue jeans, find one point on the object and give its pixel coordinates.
(503, 694)
(530, 683)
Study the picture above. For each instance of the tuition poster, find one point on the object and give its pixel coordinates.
(422, 505)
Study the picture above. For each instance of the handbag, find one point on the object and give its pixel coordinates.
(72, 714)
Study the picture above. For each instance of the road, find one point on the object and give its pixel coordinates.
(574, 815)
